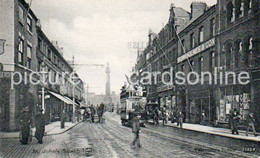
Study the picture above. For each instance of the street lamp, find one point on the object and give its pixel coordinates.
(43, 79)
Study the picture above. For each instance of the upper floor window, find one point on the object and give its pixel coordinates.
(192, 41)
(241, 6)
(29, 56)
(230, 12)
(212, 61)
(213, 27)
(200, 66)
(44, 49)
(20, 14)
(182, 67)
(49, 54)
(29, 24)
(183, 49)
(201, 34)
(40, 43)
(20, 51)
(250, 47)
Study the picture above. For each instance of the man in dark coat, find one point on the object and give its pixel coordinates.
(250, 122)
(25, 125)
(180, 117)
(234, 121)
(100, 113)
(136, 130)
(92, 113)
(40, 126)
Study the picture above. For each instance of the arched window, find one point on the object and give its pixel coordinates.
(238, 54)
(230, 12)
(241, 8)
(229, 52)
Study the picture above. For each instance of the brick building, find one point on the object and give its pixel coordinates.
(25, 48)
(219, 38)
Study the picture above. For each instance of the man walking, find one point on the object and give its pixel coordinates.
(40, 126)
(250, 122)
(234, 121)
(180, 119)
(136, 130)
(25, 126)
(92, 113)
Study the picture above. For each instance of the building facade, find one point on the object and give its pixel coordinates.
(25, 49)
(216, 39)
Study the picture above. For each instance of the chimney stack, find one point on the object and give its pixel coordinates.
(197, 9)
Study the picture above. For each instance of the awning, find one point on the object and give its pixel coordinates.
(70, 100)
(62, 98)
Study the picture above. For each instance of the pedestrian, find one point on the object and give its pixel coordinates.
(100, 113)
(156, 116)
(250, 122)
(234, 121)
(180, 117)
(25, 125)
(167, 113)
(92, 113)
(136, 130)
(40, 126)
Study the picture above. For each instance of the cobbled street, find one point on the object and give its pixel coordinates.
(111, 139)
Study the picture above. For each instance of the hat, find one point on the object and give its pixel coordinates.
(26, 109)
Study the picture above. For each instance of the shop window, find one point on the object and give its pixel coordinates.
(20, 51)
(29, 56)
(201, 35)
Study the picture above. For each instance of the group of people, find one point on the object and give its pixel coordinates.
(234, 122)
(25, 122)
(165, 115)
(99, 111)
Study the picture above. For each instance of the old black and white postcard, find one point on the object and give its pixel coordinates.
(129, 78)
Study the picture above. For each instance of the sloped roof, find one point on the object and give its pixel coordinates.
(180, 12)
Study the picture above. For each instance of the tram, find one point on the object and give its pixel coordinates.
(132, 103)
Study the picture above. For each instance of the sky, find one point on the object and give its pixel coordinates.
(103, 31)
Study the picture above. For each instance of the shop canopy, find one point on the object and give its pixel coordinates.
(62, 98)
(71, 100)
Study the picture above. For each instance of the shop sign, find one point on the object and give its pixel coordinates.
(165, 88)
(197, 50)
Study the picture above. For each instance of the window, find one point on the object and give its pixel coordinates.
(241, 8)
(182, 67)
(212, 61)
(55, 59)
(212, 27)
(229, 53)
(44, 49)
(183, 49)
(40, 43)
(29, 24)
(200, 64)
(49, 54)
(29, 56)
(238, 55)
(20, 14)
(250, 4)
(201, 34)
(191, 65)
(192, 41)
(20, 51)
(230, 12)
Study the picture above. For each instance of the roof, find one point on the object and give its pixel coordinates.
(180, 12)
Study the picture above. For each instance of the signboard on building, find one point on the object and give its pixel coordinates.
(197, 50)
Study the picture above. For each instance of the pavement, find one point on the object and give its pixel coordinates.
(111, 139)
(50, 129)
(214, 131)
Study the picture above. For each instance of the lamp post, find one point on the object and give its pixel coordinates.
(43, 79)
